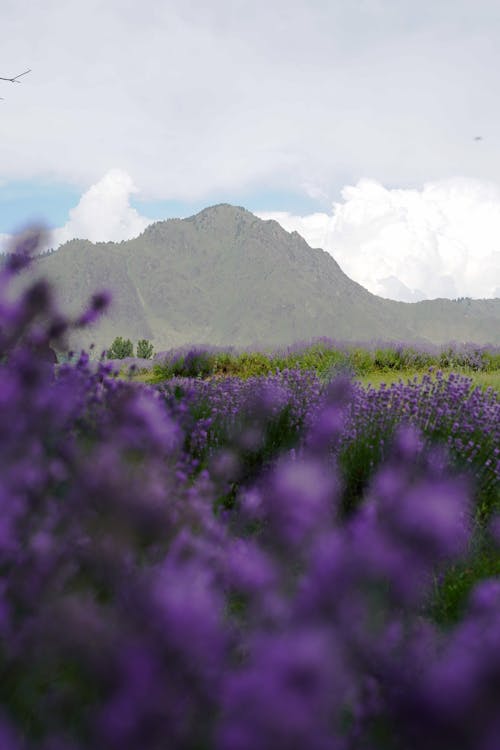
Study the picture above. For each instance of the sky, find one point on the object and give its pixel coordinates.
(371, 127)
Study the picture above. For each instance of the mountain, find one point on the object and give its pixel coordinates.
(226, 277)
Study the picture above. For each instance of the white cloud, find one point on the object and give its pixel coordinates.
(103, 213)
(440, 241)
(195, 98)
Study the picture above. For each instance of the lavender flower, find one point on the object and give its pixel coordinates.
(237, 564)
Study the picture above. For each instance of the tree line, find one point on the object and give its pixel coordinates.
(121, 348)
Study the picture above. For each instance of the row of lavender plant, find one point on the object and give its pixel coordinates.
(448, 411)
(325, 356)
(133, 616)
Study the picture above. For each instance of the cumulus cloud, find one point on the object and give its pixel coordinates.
(104, 213)
(408, 244)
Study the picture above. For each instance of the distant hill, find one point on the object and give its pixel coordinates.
(226, 277)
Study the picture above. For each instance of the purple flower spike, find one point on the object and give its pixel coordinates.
(9, 739)
(485, 597)
(301, 498)
(287, 696)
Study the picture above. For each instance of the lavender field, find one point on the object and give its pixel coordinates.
(278, 561)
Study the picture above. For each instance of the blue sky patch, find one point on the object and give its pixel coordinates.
(23, 202)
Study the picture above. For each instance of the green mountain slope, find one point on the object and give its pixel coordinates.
(225, 277)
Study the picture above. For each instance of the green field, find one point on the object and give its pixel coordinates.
(385, 365)
(481, 379)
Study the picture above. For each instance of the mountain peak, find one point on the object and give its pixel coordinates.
(224, 208)
(222, 212)
(226, 277)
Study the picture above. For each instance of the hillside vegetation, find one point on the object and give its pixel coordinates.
(227, 278)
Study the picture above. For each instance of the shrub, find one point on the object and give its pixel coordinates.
(224, 364)
(144, 349)
(120, 348)
(361, 361)
(252, 364)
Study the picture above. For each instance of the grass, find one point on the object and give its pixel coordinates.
(385, 364)
(448, 601)
(480, 379)
(376, 377)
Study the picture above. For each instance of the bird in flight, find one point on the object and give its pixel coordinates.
(14, 79)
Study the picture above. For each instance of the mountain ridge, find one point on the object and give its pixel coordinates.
(225, 277)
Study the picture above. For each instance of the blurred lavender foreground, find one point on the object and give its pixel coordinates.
(231, 566)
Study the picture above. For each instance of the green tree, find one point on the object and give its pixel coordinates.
(120, 348)
(144, 349)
